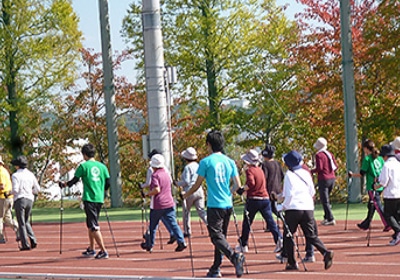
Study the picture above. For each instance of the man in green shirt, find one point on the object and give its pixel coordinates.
(95, 179)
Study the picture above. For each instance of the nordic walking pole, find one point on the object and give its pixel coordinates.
(189, 236)
(246, 213)
(349, 180)
(290, 235)
(111, 231)
(238, 234)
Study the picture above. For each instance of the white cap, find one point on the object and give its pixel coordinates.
(251, 157)
(321, 143)
(190, 154)
(157, 161)
(396, 143)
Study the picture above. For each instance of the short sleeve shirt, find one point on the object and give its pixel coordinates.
(218, 170)
(372, 168)
(93, 175)
(163, 200)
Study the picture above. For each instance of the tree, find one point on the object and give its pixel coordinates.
(39, 48)
(81, 115)
(213, 44)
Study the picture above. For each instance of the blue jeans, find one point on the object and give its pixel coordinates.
(169, 219)
(264, 207)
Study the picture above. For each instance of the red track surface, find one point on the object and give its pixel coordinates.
(353, 258)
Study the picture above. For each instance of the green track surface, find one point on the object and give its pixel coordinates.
(51, 214)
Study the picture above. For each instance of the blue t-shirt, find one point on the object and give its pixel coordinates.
(218, 170)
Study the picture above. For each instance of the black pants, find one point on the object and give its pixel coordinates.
(218, 221)
(304, 218)
(392, 213)
(325, 188)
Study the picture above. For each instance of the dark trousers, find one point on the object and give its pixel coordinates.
(218, 221)
(392, 213)
(264, 207)
(325, 188)
(309, 246)
(304, 218)
(374, 204)
(23, 208)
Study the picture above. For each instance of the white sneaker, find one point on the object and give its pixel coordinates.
(395, 241)
(279, 245)
(328, 223)
(239, 249)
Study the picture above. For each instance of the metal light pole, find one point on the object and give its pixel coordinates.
(154, 70)
(354, 188)
(109, 91)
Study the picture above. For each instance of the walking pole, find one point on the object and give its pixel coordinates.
(349, 180)
(246, 213)
(61, 217)
(111, 231)
(189, 236)
(369, 235)
(290, 235)
(238, 235)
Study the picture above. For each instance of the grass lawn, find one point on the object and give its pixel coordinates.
(51, 214)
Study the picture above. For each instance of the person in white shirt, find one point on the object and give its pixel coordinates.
(298, 204)
(24, 188)
(389, 179)
(188, 178)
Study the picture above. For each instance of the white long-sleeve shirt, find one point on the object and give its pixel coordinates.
(298, 190)
(390, 178)
(24, 184)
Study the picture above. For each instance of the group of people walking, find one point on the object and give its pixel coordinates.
(266, 184)
(267, 189)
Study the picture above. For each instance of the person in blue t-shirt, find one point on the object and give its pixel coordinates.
(219, 170)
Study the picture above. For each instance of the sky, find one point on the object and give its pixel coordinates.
(88, 12)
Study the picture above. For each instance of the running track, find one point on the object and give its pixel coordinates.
(353, 258)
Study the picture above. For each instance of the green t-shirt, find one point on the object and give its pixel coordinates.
(93, 175)
(372, 168)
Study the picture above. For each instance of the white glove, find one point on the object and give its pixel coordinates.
(279, 207)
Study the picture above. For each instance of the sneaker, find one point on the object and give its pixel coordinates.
(144, 246)
(238, 261)
(309, 259)
(328, 259)
(181, 246)
(102, 255)
(89, 253)
(396, 240)
(242, 249)
(328, 223)
(279, 245)
(362, 226)
(292, 267)
(171, 240)
(281, 258)
(214, 274)
(2, 241)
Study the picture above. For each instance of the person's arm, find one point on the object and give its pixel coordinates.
(15, 185)
(236, 184)
(154, 191)
(194, 188)
(148, 178)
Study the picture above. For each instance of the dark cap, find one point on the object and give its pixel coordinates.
(269, 151)
(387, 150)
(154, 152)
(293, 160)
(20, 161)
